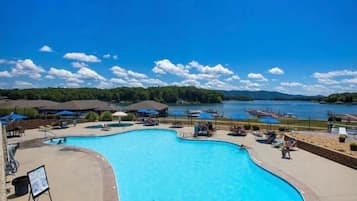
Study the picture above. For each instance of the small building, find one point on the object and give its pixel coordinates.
(149, 104)
(81, 106)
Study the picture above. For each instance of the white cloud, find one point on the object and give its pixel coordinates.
(331, 78)
(45, 48)
(276, 71)
(23, 84)
(327, 81)
(5, 61)
(86, 73)
(119, 71)
(79, 56)
(51, 77)
(27, 68)
(165, 66)
(217, 69)
(134, 83)
(104, 85)
(247, 84)
(115, 57)
(257, 76)
(333, 74)
(291, 84)
(118, 81)
(136, 75)
(127, 74)
(190, 83)
(5, 74)
(65, 75)
(232, 78)
(79, 64)
(106, 56)
(73, 85)
(350, 81)
(153, 82)
(218, 84)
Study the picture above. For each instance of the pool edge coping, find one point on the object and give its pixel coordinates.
(305, 192)
(110, 189)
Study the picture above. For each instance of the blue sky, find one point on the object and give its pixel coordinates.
(301, 47)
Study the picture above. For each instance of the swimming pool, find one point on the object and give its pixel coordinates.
(155, 165)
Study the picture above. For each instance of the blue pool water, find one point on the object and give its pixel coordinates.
(155, 165)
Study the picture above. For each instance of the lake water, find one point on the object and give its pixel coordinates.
(301, 109)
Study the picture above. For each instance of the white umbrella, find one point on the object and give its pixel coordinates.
(119, 114)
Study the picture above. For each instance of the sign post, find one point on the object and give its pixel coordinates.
(38, 182)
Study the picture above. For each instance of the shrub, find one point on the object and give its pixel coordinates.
(130, 117)
(353, 146)
(92, 116)
(342, 138)
(247, 126)
(106, 116)
(256, 128)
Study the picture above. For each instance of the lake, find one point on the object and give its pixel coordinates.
(301, 109)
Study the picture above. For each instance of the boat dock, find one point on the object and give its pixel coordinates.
(264, 113)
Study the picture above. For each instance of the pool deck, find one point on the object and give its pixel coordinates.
(78, 174)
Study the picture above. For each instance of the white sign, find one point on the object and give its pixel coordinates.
(38, 181)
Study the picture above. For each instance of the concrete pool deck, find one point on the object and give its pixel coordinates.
(84, 175)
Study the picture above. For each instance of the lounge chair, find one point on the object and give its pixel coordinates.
(269, 139)
(202, 131)
(177, 124)
(151, 122)
(105, 127)
(237, 131)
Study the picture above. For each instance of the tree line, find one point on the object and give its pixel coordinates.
(168, 94)
(342, 97)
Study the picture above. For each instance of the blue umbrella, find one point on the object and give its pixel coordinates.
(143, 110)
(148, 111)
(239, 117)
(153, 112)
(65, 113)
(176, 113)
(269, 120)
(13, 116)
(205, 115)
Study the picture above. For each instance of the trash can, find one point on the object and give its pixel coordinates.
(21, 185)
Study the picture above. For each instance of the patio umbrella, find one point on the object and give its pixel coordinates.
(148, 111)
(142, 110)
(269, 120)
(65, 113)
(205, 115)
(13, 116)
(119, 115)
(152, 112)
(176, 113)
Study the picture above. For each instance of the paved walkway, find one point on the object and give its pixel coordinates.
(81, 178)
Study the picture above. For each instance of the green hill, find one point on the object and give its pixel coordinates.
(265, 95)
